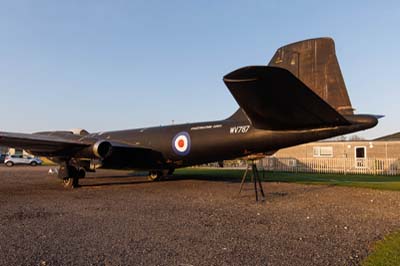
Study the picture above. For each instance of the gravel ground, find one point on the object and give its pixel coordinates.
(116, 218)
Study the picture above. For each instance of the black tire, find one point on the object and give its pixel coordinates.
(154, 176)
(81, 173)
(33, 163)
(70, 182)
(9, 164)
(171, 171)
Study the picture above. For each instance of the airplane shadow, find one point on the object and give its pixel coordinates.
(115, 180)
(180, 177)
(135, 178)
(107, 184)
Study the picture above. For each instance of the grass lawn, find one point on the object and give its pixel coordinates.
(47, 162)
(366, 181)
(385, 252)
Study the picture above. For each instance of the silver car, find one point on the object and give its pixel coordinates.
(11, 160)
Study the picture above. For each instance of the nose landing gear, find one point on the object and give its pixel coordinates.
(70, 173)
(159, 175)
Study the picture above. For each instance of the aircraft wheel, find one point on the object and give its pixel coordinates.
(171, 171)
(154, 175)
(70, 182)
(81, 173)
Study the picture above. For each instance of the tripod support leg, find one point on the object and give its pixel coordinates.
(257, 177)
(254, 174)
(243, 180)
(254, 178)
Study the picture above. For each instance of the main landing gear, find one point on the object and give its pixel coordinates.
(157, 175)
(70, 173)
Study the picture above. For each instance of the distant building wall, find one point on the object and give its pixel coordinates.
(13, 151)
(345, 149)
(358, 157)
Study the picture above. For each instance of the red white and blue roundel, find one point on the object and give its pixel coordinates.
(181, 143)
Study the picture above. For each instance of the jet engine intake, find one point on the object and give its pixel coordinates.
(100, 149)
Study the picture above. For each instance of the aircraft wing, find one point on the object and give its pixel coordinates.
(42, 144)
(114, 154)
(274, 99)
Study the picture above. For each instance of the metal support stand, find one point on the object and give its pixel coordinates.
(255, 178)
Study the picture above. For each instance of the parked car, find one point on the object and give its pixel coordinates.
(2, 157)
(12, 160)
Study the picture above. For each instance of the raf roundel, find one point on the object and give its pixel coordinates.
(181, 143)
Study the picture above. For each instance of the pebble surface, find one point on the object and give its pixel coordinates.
(117, 218)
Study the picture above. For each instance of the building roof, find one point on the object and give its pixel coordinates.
(391, 137)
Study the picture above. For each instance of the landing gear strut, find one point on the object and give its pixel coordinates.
(70, 173)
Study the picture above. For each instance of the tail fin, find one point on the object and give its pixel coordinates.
(239, 115)
(314, 62)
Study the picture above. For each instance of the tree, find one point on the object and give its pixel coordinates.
(355, 138)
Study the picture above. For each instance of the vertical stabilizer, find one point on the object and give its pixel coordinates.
(314, 62)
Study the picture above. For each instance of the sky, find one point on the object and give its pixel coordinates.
(109, 65)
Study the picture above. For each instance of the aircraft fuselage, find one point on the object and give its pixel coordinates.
(205, 142)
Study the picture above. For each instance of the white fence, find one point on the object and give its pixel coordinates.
(390, 166)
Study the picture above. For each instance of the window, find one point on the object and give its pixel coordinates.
(360, 153)
(323, 151)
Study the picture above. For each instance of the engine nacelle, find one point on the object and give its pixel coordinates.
(100, 149)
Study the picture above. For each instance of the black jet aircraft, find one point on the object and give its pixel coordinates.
(299, 97)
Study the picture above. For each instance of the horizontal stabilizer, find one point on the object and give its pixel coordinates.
(273, 98)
